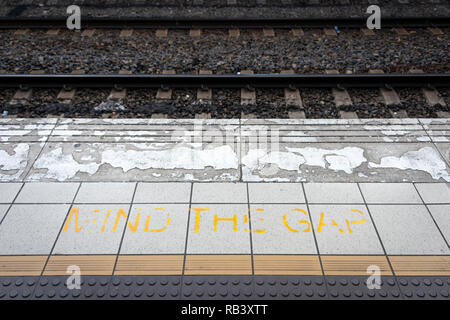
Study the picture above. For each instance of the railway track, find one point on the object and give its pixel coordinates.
(246, 95)
(219, 23)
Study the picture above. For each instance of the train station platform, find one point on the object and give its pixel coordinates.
(224, 209)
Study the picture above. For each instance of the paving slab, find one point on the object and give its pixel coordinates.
(281, 229)
(43, 192)
(160, 229)
(441, 214)
(148, 192)
(228, 237)
(105, 192)
(434, 192)
(390, 193)
(99, 230)
(333, 193)
(136, 162)
(408, 229)
(31, 229)
(276, 193)
(16, 159)
(343, 162)
(276, 150)
(8, 191)
(3, 210)
(219, 193)
(344, 229)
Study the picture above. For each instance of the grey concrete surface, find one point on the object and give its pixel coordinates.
(31, 229)
(253, 150)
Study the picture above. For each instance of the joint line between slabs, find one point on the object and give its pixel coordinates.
(186, 241)
(12, 203)
(434, 144)
(40, 151)
(381, 242)
(56, 240)
(315, 239)
(250, 231)
(125, 228)
(431, 215)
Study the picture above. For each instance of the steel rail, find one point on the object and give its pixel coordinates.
(218, 23)
(223, 81)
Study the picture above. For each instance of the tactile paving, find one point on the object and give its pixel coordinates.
(145, 287)
(17, 288)
(54, 288)
(425, 287)
(351, 287)
(218, 287)
(223, 288)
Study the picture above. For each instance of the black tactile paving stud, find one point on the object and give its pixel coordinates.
(55, 288)
(218, 288)
(425, 288)
(290, 287)
(145, 288)
(355, 288)
(17, 288)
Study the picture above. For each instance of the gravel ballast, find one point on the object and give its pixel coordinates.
(144, 53)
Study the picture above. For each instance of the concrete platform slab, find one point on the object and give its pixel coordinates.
(434, 192)
(408, 230)
(344, 229)
(275, 193)
(156, 229)
(219, 193)
(135, 162)
(441, 214)
(47, 193)
(218, 229)
(92, 229)
(8, 191)
(106, 192)
(390, 193)
(163, 192)
(31, 229)
(333, 193)
(281, 229)
(16, 159)
(3, 209)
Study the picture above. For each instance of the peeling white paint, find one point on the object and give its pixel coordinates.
(345, 159)
(17, 159)
(426, 159)
(222, 157)
(61, 166)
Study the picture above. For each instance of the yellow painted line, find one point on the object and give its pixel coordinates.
(11, 266)
(93, 265)
(287, 265)
(149, 265)
(421, 265)
(354, 265)
(218, 265)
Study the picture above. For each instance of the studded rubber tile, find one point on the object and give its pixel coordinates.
(218, 287)
(17, 288)
(223, 288)
(290, 287)
(352, 287)
(54, 287)
(145, 288)
(428, 288)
